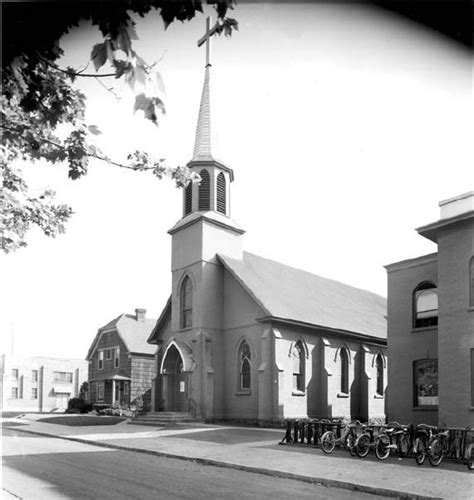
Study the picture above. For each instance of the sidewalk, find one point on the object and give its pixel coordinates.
(257, 450)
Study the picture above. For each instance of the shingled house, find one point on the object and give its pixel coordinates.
(121, 362)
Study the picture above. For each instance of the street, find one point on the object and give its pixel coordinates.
(37, 467)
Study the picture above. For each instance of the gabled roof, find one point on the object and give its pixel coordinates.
(133, 333)
(165, 314)
(291, 294)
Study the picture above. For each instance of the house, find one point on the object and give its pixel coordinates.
(121, 362)
(246, 338)
(39, 384)
(431, 324)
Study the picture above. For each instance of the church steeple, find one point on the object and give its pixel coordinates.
(212, 194)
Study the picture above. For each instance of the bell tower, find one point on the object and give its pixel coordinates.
(205, 228)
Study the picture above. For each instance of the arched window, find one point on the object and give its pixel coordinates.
(298, 367)
(186, 296)
(471, 282)
(204, 191)
(425, 305)
(244, 366)
(220, 189)
(344, 370)
(188, 199)
(379, 367)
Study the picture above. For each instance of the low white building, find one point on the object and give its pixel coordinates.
(39, 384)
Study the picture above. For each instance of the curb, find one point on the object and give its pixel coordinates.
(331, 483)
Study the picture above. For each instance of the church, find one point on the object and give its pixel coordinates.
(243, 338)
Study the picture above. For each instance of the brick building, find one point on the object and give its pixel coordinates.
(121, 365)
(431, 324)
(243, 337)
(39, 384)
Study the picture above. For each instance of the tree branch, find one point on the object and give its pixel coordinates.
(74, 73)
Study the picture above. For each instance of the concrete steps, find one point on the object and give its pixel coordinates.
(162, 418)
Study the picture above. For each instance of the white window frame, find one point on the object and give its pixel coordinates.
(100, 360)
(100, 389)
(116, 357)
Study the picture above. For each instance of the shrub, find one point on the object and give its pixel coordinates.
(78, 405)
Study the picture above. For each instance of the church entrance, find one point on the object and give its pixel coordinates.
(175, 382)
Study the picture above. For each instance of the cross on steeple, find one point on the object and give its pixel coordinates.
(206, 38)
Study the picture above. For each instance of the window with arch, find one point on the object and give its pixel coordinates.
(379, 368)
(204, 191)
(244, 366)
(471, 282)
(344, 357)
(188, 199)
(298, 367)
(425, 305)
(186, 300)
(221, 196)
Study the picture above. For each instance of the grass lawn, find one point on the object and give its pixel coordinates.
(11, 414)
(82, 420)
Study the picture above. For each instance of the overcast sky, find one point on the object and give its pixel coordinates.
(344, 126)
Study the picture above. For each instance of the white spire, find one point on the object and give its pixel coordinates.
(205, 136)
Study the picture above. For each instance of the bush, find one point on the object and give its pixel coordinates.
(78, 405)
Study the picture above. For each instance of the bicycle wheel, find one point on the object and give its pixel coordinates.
(350, 444)
(435, 452)
(470, 456)
(457, 448)
(328, 442)
(382, 450)
(419, 451)
(403, 445)
(362, 445)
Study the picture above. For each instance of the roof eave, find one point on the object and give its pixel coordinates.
(161, 322)
(321, 328)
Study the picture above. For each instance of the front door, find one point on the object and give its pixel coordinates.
(61, 400)
(175, 382)
(181, 389)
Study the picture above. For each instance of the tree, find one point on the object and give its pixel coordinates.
(39, 99)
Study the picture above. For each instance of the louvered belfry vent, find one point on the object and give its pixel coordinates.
(204, 191)
(188, 199)
(220, 188)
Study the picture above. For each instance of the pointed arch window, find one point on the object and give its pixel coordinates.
(188, 199)
(379, 368)
(244, 366)
(186, 296)
(205, 191)
(471, 282)
(221, 195)
(298, 367)
(425, 305)
(344, 357)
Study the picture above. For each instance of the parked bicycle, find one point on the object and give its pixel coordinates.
(450, 443)
(347, 439)
(365, 441)
(394, 437)
(424, 434)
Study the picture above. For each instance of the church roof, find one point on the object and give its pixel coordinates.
(291, 294)
(133, 333)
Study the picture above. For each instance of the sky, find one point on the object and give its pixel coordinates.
(344, 126)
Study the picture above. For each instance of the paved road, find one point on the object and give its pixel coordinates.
(44, 468)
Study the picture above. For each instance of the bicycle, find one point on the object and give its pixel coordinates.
(450, 444)
(424, 434)
(365, 441)
(395, 437)
(347, 439)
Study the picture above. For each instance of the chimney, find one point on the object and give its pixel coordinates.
(140, 314)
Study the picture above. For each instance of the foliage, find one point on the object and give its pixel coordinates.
(84, 390)
(78, 405)
(43, 116)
